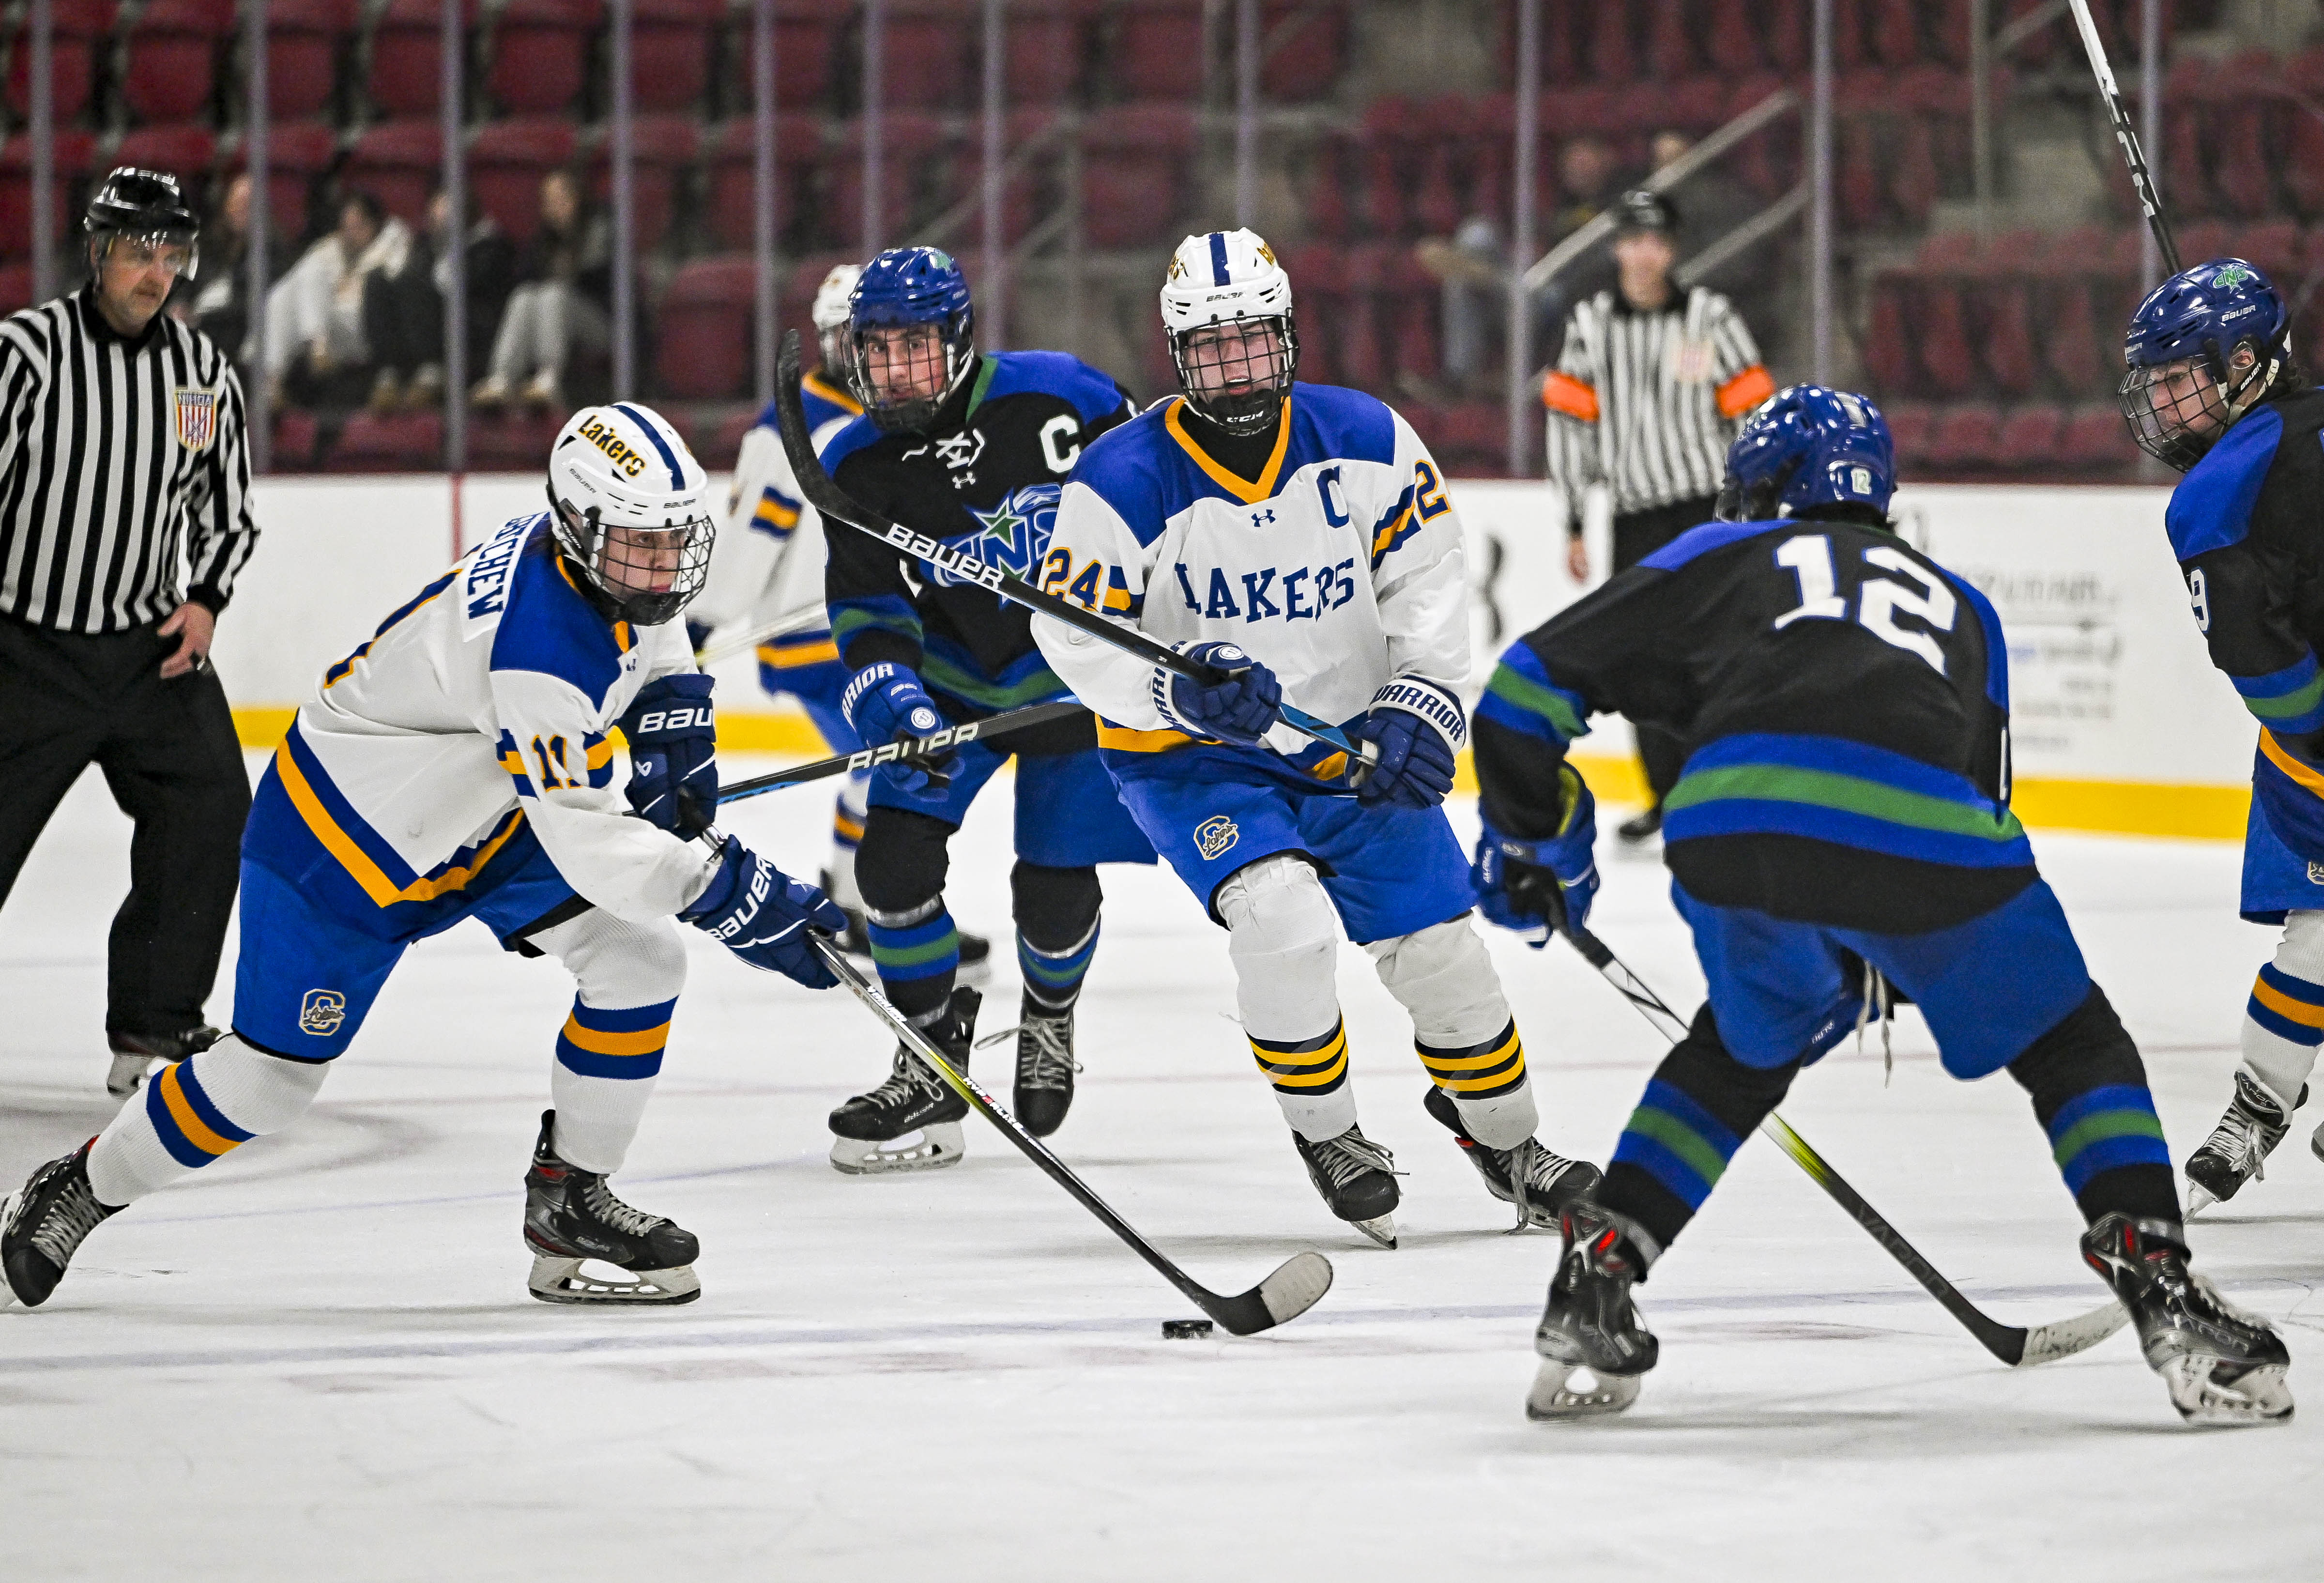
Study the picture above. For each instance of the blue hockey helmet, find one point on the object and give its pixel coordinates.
(901, 288)
(2185, 382)
(1805, 446)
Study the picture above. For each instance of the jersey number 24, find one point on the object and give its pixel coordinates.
(1878, 600)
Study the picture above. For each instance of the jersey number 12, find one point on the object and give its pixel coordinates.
(1878, 600)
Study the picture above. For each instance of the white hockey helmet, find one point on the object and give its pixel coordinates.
(1230, 278)
(831, 313)
(629, 505)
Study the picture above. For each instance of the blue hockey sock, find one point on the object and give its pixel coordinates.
(1053, 978)
(917, 953)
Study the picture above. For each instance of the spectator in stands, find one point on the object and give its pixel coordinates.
(1714, 206)
(490, 261)
(557, 313)
(1588, 181)
(1474, 267)
(317, 352)
(404, 312)
(219, 303)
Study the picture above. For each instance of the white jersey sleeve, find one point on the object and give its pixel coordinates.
(1114, 683)
(1420, 577)
(767, 565)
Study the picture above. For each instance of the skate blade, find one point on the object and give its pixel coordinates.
(937, 1146)
(2198, 1198)
(1380, 1228)
(127, 1072)
(555, 1279)
(1556, 1395)
(8, 1298)
(2259, 1395)
(2316, 1143)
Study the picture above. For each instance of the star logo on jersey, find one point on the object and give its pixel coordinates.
(322, 1012)
(1013, 533)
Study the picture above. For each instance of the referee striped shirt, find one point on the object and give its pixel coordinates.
(1647, 403)
(125, 474)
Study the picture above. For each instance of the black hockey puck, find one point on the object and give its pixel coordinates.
(1185, 1329)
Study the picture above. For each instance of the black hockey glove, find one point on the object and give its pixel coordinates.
(674, 754)
(763, 916)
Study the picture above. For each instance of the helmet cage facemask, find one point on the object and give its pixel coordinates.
(101, 240)
(592, 547)
(2163, 427)
(909, 417)
(1250, 410)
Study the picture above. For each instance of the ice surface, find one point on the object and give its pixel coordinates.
(317, 1360)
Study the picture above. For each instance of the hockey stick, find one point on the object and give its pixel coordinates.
(1291, 1291)
(2142, 180)
(2013, 1344)
(904, 750)
(837, 505)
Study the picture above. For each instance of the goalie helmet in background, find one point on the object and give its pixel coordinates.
(1223, 292)
(830, 314)
(2180, 391)
(144, 206)
(627, 502)
(1808, 446)
(902, 288)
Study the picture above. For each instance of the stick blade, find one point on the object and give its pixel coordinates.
(1295, 1287)
(2048, 1343)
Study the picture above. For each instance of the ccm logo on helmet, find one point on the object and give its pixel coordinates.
(601, 435)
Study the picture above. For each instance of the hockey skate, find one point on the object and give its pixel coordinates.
(1540, 1183)
(1593, 1343)
(2237, 1151)
(134, 1055)
(1357, 1177)
(912, 1121)
(42, 1225)
(2219, 1364)
(571, 1215)
(1046, 1066)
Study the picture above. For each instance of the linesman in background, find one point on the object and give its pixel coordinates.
(1645, 398)
(125, 515)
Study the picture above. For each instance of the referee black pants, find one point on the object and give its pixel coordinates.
(170, 757)
(1637, 535)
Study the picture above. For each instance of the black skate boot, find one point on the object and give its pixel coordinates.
(1045, 1066)
(1635, 833)
(1591, 1325)
(2219, 1364)
(2237, 1151)
(866, 1129)
(1538, 1182)
(42, 1223)
(1357, 1177)
(571, 1215)
(134, 1054)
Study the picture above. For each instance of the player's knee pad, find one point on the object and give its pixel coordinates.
(1444, 977)
(902, 860)
(615, 962)
(1055, 908)
(1285, 948)
(2088, 1049)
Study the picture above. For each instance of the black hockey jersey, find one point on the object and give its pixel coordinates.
(1848, 701)
(985, 478)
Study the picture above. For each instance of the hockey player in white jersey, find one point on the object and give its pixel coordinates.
(1299, 537)
(457, 765)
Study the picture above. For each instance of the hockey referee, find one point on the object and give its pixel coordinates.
(1645, 398)
(124, 479)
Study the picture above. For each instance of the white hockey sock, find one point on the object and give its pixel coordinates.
(193, 1111)
(1285, 949)
(610, 1050)
(2283, 1019)
(1461, 1028)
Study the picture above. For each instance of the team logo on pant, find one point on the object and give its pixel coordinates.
(2316, 873)
(196, 411)
(1215, 834)
(322, 1012)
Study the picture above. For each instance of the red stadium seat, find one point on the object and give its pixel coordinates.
(2003, 318)
(2096, 438)
(2303, 164)
(1158, 48)
(725, 441)
(2275, 246)
(404, 71)
(1856, 181)
(703, 348)
(541, 53)
(170, 58)
(807, 36)
(399, 443)
(2030, 440)
(669, 53)
(1909, 425)
(1943, 338)
(1670, 47)
(1730, 38)
(2240, 114)
(76, 28)
(303, 38)
(1309, 48)
(15, 287)
(297, 153)
(1887, 348)
(186, 152)
(1319, 281)
(1893, 32)
(928, 55)
(661, 149)
(799, 149)
(512, 442)
(1386, 154)
(1611, 58)
(1133, 170)
(75, 151)
(1947, 36)
(1965, 439)
(1912, 180)
(398, 162)
(297, 436)
(1017, 197)
(1784, 32)
(1046, 49)
(506, 161)
(1474, 440)
(908, 140)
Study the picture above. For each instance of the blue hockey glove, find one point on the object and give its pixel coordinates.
(1418, 728)
(674, 754)
(885, 703)
(1539, 887)
(762, 915)
(1239, 709)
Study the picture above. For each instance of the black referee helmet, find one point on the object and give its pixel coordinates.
(1640, 209)
(143, 204)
